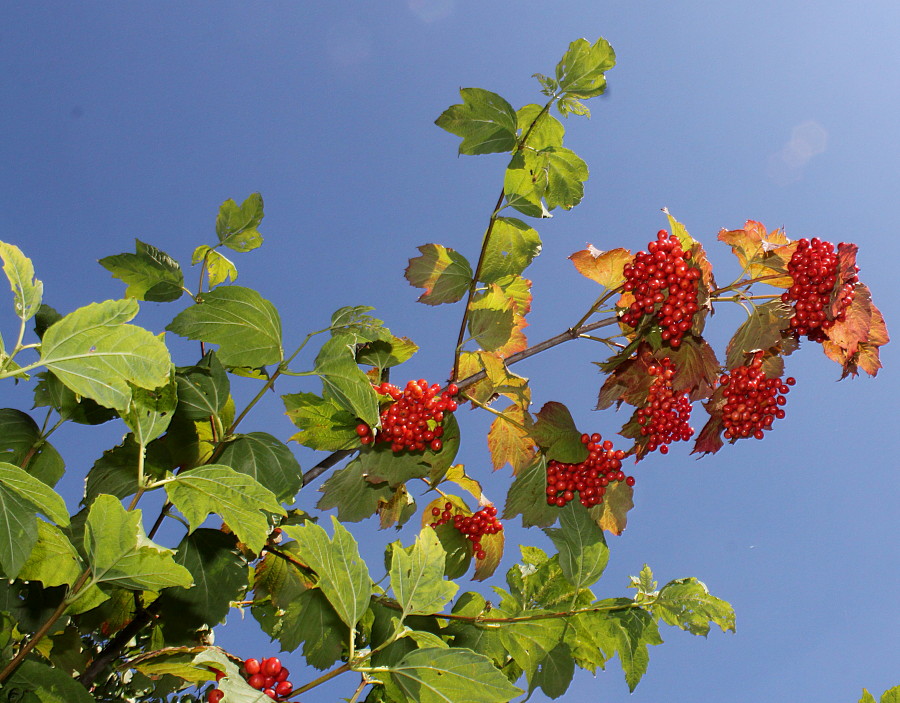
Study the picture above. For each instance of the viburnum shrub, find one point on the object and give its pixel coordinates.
(98, 606)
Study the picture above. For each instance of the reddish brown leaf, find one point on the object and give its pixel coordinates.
(517, 289)
(628, 382)
(846, 273)
(612, 513)
(604, 267)
(508, 443)
(854, 328)
(696, 367)
(851, 346)
(397, 510)
(517, 340)
(761, 254)
(709, 441)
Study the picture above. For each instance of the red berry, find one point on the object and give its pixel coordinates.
(270, 692)
(271, 667)
(251, 666)
(257, 681)
(283, 688)
(215, 695)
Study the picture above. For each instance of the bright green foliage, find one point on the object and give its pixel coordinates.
(417, 577)
(96, 354)
(119, 553)
(151, 274)
(150, 411)
(53, 561)
(892, 695)
(512, 247)
(245, 325)
(50, 392)
(323, 423)
(439, 675)
(22, 496)
(443, 273)
(485, 121)
(219, 268)
(343, 380)
(237, 225)
(491, 318)
(583, 553)
(686, 603)
(239, 499)
(27, 290)
(267, 460)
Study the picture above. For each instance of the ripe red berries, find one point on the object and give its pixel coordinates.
(665, 417)
(268, 676)
(664, 286)
(473, 527)
(588, 479)
(415, 419)
(814, 269)
(752, 401)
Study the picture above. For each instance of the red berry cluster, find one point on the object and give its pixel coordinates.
(268, 676)
(483, 522)
(664, 285)
(752, 401)
(814, 269)
(665, 417)
(588, 479)
(405, 422)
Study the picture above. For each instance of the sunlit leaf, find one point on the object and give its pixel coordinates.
(485, 121)
(236, 225)
(149, 273)
(580, 71)
(583, 553)
(219, 268)
(612, 513)
(511, 248)
(27, 290)
(96, 354)
(51, 392)
(604, 267)
(54, 561)
(443, 273)
(491, 318)
(150, 411)
(527, 496)
(343, 380)
(761, 254)
(566, 174)
(688, 604)
(547, 131)
(323, 424)
(508, 442)
(245, 325)
(524, 184)
(417, 576)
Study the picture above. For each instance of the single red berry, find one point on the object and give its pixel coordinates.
(629, 481)
(251, 666)
(257, 681)
(270, 692)
(271, 667)
(215, 695)
(283, 688)
(362, 429)
(436, 445)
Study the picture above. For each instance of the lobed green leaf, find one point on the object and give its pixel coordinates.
(149, 273)
(485, 121)
(27, 290)
(236, 226)
(417, 576)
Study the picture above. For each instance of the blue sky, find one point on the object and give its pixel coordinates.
(123, 120)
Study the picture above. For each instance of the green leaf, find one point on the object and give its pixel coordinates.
(21, 444)
(203, 389)
(220, 577)
(580, 71)
(353, 321)
(583, 553)
(150, 273)
(27, 290)
(491, 318)
(443, 273)
(380, 464)
(116, 471)
(528, 496)
(150, 411)
(46, 684)
(555, 671)
(344, 381)
(266, 459)
(556, 433)
(236, 226)
(479, 638)
(36, 492)
(311, 620)
(548, 131)
(53, 561)
(324, 425)
(343, 576)
(761, 330)
(510, 249)
(485, 121)
(566, 173)
(352, 493)
(892, 695)
(219, 268)
(50, 392)
(120, 554)
(436, 675)
(384, 354)
(245, 325)
(525, 182)
(531, 641)
(239, 499)
(96, 354)
(417, 577)
(867, 697)
(634, 630)
(688, 604)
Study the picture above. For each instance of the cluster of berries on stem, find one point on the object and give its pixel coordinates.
(814, 270)
(414, 420)
(752, 401)
(665, 286)
(665, 418)
(268, 676)
(589, 479)
(473, 527)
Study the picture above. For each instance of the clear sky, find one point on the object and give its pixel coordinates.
(124, 120)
